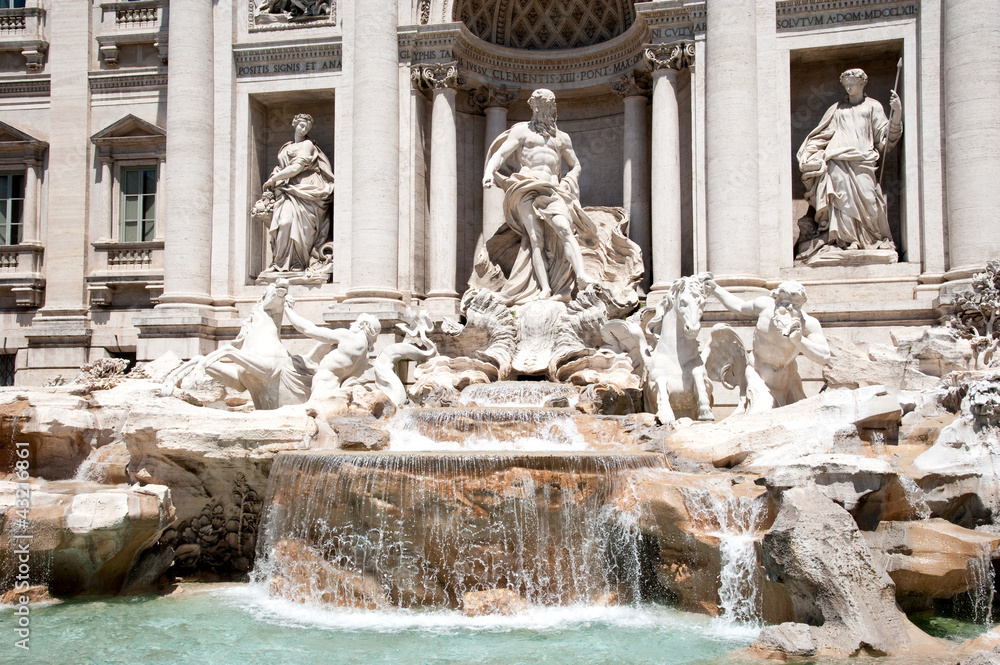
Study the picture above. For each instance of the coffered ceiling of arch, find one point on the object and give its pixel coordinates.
(545, 24)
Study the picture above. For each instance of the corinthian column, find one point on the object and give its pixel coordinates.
(442, 239)
(375, 153)
(971, 58)
(731, 188)
(666, 61)
(188, 182)
(493, 100)
(634, 88)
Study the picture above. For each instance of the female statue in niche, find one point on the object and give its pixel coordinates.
(298, 196)
(839, 163)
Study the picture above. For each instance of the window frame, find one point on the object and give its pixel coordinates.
(119, 230)
(6, 225)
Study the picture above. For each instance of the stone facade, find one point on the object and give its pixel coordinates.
(133, 154)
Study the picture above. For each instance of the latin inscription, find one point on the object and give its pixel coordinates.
(302, 66)
(859, 16)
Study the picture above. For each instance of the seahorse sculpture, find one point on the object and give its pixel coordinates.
(415, 346)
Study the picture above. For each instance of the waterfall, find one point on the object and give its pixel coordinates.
(981, 589)
(485, 428)
(518, 393)
(914, 496)
(735, 521)
(419, 530)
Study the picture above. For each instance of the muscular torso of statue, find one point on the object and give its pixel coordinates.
(541, 156)
(770, 346)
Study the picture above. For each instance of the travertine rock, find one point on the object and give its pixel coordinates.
(852, 366)
(303, 575)
(686, 513)
(931, 558)
(826, 423)
(959, 473)
(492, 601)
(785, 639)
(938, 351)
(848, 599)
(92, 536)
(868, 488)
(36, 594)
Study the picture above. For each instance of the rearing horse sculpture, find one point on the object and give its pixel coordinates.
(676, 382)
(256, 361)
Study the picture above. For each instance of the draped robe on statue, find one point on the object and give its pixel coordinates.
(300, 223)
(843, 186)
(504, 265)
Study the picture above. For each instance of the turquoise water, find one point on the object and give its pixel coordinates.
(237, 625)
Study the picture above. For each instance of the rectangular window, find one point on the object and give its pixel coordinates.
(138, 213)
(7, 365)
(11, 4)
(11, 207)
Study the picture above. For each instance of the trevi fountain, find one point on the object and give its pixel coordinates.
(595, 445)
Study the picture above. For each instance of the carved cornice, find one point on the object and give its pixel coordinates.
(676, 56)
(493, 95)
(436, 76)
(633, 84)
(490, 64)
(100, 81)
(25, 86)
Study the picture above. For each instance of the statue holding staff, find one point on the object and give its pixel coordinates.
(839, 161)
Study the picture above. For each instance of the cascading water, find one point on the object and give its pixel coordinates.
(981, 584)
(485, 428)
(518, 393)
(735, 521)
(417, 530)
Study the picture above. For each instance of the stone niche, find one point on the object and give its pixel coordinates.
(814, 82)
(270, 128)
(594, 119)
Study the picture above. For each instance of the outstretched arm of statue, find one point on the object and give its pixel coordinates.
(730, 301)
(311, 330)
(811, 341)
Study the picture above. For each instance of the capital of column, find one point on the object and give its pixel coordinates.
(636, 83)
(444, 76)
(675, 56)
(493, 95)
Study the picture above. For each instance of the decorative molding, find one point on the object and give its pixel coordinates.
(20, 273)
(436, 77)
(40, 86)
(23, 30)
(425, 12)
(489, 64)
(493, 95)
(320, 56)
(636, 83)
(676, 56)
(103, 82)
(136, 22)
(108, 45)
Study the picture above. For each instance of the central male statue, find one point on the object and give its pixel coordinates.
(541, 207)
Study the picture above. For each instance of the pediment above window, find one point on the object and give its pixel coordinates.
(129, 136)
(17, 145)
